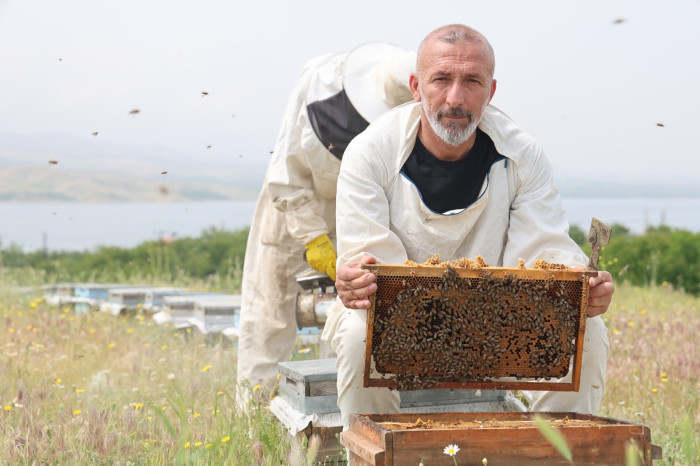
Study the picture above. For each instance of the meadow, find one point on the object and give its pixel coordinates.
(99, 389)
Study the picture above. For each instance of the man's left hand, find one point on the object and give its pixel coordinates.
(600, 293)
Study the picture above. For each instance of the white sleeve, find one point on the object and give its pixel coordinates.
(362, 208)
(289, 176)
(538, 227)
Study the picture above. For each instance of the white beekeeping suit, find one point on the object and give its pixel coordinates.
(335, 98)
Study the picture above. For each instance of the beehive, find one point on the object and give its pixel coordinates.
(488, 327)
(502, 438)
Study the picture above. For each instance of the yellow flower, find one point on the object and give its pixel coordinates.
(149, 418)
(138, 405)
(663, 374)
(166, 325)
(164, 347)
(643, 312)
(198, 444)
(665, 283)
(187, 444)
(66, 309)
(664, 379)
(131, 330)
(111, 345)
(630, 324)
(219, 393)
(256, 388)
(214, 412)
(188, 330)
(615, 331)
(11, 330)
(208, 445)
(8, 408)
(92, 330)
(79, 390)
(304, 350)
(76, 412)
(196, 415)
(206, 368)
(225, 439)
(654, 390)
(57, 381)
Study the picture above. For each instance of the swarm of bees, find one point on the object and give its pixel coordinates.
(450, 328)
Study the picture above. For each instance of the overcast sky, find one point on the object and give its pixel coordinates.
(592, 80)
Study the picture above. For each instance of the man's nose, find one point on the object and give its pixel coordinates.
(455, 95)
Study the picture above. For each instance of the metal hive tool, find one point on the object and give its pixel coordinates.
(491, 328)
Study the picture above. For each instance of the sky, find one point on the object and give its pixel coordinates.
(609, 88)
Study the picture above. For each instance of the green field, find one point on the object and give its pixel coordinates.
(99, 389)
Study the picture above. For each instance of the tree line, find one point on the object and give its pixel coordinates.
(660, 256)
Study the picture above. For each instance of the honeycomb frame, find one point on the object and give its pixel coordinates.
(518, 328)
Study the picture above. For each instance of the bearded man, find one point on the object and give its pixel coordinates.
(450, 174)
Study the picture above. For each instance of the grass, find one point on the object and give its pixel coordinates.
(99, 389)
(653, 372)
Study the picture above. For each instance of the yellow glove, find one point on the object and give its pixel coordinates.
(320, 254)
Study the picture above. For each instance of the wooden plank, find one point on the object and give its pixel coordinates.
(367, 451)
(488, 385)
(394, 270)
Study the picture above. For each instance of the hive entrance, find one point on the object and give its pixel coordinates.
(450, 327)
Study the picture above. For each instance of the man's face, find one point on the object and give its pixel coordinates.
(454, 87)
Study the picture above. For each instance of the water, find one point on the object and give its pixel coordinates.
(81, 226)
(77, 226)
(635, 213)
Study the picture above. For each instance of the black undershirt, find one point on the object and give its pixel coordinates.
(446, 186)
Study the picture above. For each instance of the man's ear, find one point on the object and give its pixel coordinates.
(493, 89)
(413, 85)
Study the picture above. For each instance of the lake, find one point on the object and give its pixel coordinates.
(80, 226)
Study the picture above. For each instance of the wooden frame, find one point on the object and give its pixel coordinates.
(405, 272)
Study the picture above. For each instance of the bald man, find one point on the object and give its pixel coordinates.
(453, 175)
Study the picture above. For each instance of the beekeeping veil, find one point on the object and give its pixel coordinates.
(375, 78)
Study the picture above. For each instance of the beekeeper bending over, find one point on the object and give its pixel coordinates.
(452, 175)
(334, 100)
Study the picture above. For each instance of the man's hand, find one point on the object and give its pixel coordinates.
(600, 293)
(355, 285)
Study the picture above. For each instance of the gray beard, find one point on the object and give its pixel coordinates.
(451, 133)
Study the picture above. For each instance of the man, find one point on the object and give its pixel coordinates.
(333, 101)
(449, 174)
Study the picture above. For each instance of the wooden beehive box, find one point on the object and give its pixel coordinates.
(501, 438)
(214, 314)
(489, 327)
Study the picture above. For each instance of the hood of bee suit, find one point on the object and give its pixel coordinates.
(375, 78)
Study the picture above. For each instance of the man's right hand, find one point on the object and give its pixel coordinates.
(355, 285)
